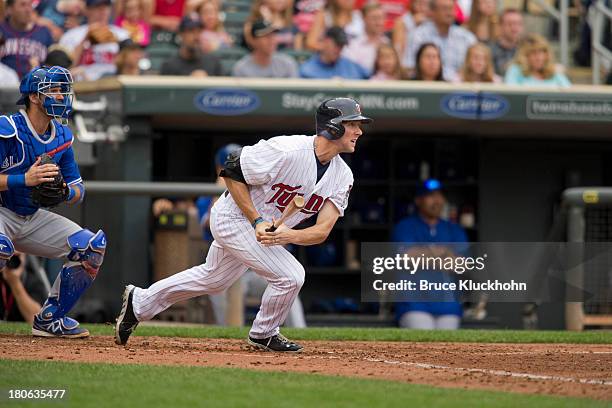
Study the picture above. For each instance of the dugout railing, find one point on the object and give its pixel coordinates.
(589, 220)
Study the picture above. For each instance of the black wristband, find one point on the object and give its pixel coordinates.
(256, 221)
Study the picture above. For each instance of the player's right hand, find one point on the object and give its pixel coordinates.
(260, 229)
(38, 174)
(11, 275)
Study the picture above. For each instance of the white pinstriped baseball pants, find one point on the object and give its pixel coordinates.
(234, 250)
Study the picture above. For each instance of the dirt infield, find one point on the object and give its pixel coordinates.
(578, 370)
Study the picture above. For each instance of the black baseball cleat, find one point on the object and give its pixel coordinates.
(277, 343)
(126, 321)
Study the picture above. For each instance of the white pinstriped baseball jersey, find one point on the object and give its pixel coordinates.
(276, 170)
(282, 167)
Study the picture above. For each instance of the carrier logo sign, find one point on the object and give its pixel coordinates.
(467, 105)
(227, 102)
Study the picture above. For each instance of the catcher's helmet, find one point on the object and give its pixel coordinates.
(332, 112)
(224, 152)
(50, 82)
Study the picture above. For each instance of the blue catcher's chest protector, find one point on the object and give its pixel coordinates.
(19, 149)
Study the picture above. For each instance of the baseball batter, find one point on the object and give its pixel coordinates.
(38, 169)
(261, 181)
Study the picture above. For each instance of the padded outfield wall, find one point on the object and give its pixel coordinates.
(514, 150)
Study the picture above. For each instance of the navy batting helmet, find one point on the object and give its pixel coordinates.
(332, 112)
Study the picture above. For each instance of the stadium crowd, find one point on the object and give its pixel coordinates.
(426, 40)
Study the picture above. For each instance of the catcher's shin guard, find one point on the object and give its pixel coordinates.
(85, 259)
(6, 250)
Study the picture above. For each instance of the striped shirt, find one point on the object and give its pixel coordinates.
(453, 47)
(280, 168)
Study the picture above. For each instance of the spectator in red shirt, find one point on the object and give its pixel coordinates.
(94, 45)
(167, 14)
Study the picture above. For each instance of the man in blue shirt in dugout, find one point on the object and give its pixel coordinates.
(441, 309)
(329, 63)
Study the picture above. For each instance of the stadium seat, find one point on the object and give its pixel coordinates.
(233, 6)
(163, 37)
(299, 56)
(158, 53)
(229, 56)
(234, 22)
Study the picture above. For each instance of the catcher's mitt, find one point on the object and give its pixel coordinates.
(51, 193)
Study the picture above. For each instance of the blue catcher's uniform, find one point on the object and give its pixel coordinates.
(27, 228)
(19, 149)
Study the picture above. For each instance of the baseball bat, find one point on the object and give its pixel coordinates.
(294, 206)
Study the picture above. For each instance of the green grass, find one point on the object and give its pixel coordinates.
(366, 334)
(136, 386)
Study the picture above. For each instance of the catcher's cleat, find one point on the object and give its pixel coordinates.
(64, 327)
(278, 343)
(126, 321)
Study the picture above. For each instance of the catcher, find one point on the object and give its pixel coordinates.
(38, 171)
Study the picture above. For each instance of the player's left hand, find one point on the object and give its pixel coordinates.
(283, 235)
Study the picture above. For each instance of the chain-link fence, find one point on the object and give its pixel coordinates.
(590, 222)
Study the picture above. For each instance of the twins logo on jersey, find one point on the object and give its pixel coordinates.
(285, 193)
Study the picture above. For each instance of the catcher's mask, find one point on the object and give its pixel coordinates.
(55, 85)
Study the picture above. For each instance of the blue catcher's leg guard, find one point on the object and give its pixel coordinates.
(6, 250)
(84, 261)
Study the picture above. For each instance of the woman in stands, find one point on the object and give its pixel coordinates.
(387, 65)
(277, 12)
(534, 64)
(213, 34)
(304, 13)
(478, 66)
(484, 21)
(428, 63)
(338, 13)
(405, 25)
(133, 17)
(128, 59)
